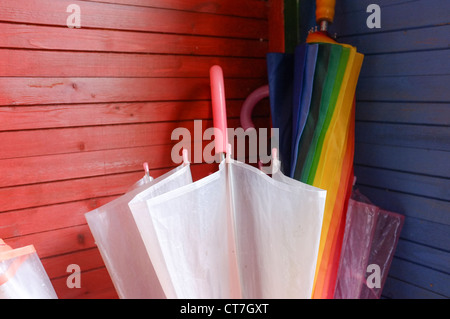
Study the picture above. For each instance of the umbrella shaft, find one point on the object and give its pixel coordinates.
(324, 25)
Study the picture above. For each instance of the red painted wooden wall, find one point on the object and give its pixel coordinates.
(82, 109)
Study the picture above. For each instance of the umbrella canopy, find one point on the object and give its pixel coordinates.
(229, 236)
(120, 245)
(22, 275)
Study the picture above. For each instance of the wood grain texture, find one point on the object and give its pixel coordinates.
(33, 91)
(133, 18)
(403, 112)
(80, 64)
(427, 38)
(351, 16)
(58, 116)
(403, 120)
(82, 109)
(244, 8)
(414, 160)
(94, 284)
(23, 36)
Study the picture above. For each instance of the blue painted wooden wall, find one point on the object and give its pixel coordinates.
(402, 153)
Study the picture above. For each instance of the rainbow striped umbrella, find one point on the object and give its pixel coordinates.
(312, 103)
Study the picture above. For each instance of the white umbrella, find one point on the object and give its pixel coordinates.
(235, 233)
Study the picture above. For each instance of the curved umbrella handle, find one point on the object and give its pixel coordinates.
(325, 12)
(249, 105)
(219, 109)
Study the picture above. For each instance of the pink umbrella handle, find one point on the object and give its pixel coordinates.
(219, 109)
(249, 105)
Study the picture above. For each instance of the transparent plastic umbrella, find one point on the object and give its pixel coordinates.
(22, 275)
(120, 243)
(229, 235)
(370, 239)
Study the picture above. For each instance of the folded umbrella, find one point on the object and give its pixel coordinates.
(229, 236)
(334, 167)
(281, 77)
(322, 145)
(22, 275)
(371, 236)
(303, 88)
(118, 239)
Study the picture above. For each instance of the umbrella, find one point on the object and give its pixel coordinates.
(370, 240)
(22, 275)
(118, 239)
(312, 103)
(228, 235)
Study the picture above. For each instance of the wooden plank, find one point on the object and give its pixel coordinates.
(24, 36)
(409, 205)
(43, 194)
(93, 283)
(404, 135)
(38, 63)
(46, 218)
(29, 91)
(347, 6)
(56, 242)
(94, 138)
(397, 15)
(85, 139)
(414, 184)
(22, 171)
(58, 116)
(423, 255)
(244, 8)
(414, 113)
(429, 38)
(88, 259)
(91, 190)
(398, 289)
(133, 18)
(200, 171)
(404, 88)
(276, 25)
(406, 63)
(420, 276)
(63, 167)
(420, 161)
(38, 169)
(427, 233)
(103, 294)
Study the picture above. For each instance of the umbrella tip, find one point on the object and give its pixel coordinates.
(185, 157)
(274, 153)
